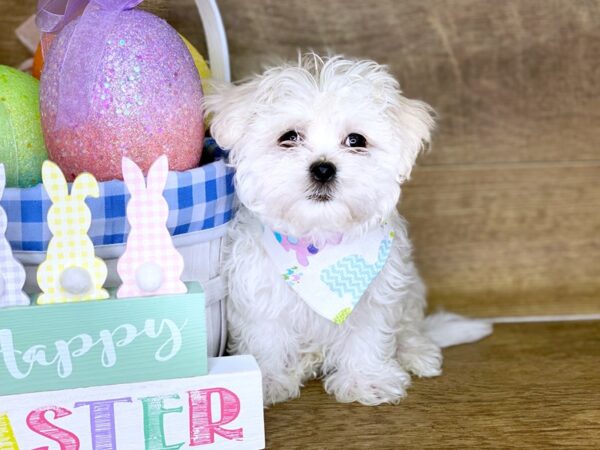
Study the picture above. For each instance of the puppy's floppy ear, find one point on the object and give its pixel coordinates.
(414, 121)
(230, 108)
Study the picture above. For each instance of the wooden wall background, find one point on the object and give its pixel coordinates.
(505, 209)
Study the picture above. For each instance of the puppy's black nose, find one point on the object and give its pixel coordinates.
(322, 171)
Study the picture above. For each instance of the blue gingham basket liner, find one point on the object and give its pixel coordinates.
(199, 199)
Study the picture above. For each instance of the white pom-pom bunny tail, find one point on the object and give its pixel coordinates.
(76, 280)
(149, 276)
(447, 329)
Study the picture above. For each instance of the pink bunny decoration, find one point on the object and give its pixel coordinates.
(150, 265)
(12, 273)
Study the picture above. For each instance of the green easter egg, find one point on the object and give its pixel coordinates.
(22, 148)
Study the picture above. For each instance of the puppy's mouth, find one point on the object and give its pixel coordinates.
(320, 193)
(320, 198)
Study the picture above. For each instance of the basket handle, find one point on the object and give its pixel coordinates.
(216, 39)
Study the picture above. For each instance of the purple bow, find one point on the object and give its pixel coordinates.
(53, 15)
(85, 49)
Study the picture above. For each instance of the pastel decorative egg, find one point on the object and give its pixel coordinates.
(135, 93)
(38, 62)
(22, 149)
(200, 62)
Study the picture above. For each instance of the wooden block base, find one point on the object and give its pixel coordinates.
(223, 409)
(91, 343)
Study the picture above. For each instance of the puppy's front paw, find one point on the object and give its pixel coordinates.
(385, 384)
(424, 360)
(277, 390)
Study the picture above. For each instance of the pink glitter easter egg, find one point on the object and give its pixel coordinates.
(143, 99)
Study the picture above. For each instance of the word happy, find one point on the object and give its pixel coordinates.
(20, 363)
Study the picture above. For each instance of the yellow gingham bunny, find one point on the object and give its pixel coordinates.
(71, 271)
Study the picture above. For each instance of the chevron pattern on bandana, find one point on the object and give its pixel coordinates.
(353, 274)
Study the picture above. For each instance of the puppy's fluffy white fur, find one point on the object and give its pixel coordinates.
(369, 357)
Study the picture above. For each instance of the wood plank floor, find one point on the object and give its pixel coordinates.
(528, 386)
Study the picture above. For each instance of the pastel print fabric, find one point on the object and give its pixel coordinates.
(331, 276)
(150, 255)
(69, 220)
(12, 274)
(353, 274)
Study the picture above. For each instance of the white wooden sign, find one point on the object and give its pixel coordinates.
(223, 409)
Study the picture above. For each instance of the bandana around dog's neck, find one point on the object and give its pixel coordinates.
(330, 276)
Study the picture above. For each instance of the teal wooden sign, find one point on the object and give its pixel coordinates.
(92, 343)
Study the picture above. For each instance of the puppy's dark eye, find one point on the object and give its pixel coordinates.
(355, 140)
(289, 138)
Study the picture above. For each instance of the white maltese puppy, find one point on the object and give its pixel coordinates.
(319, 268)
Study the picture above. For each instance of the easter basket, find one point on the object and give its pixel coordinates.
(200, 206)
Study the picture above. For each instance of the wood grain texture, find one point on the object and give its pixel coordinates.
(532, 386)
(507, 239)
(12, 14)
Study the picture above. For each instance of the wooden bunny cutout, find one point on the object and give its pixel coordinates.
(150, 265)
(71, 271)
(12, 273)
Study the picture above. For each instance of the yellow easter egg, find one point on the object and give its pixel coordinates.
(22, 148)
(200, 63)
